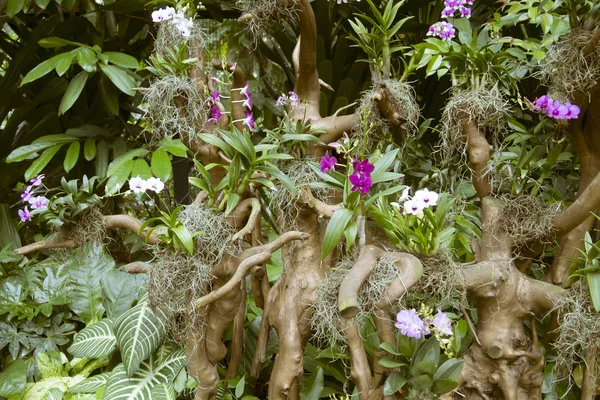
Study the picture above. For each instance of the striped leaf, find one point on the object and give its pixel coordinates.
(54, 394)
(91, 384)
(164, 391)
(94, 341)
(139, 331)
(149, 376)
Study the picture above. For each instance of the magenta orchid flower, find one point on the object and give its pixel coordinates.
(245, 90)
(328, 163)
(361, 182)
(249, 120)
(216, 113)
(25, 196)
(363, 167)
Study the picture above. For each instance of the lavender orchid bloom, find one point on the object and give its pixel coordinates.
(24, 215)
(25, 196)
(38, 202)
(293, 99)
(443, 324)
(37, 181)
(328, 163)
(410, 324)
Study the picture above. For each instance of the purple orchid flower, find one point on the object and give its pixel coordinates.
(410, 324)
(38, 202)
(216, 113)
(24, 215)
(363, 167)
(25, 196)
(294, 99)
(328, 163)
(361, 182)
(37, 181)
(249, 120)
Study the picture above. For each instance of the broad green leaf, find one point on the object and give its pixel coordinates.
(72, 156)
(151, 374)
(276, 173)
(119, 290)
(89, 149)
(593, 279)
(424, 367)
(119, 177)
(89, 131)
(40, 163)
(240, 386)
(161, 165)
(42, 3)
(109, 95)
(429, 350)
(421, 382)
(141, 169)
(444, 386)
(393, 383)
(86, 58)
(53, 41)
(121, 79)
(91, 384)
(13, 379)
(335, 229)
(101, 163)
(21, 153)
(94, 341)
(54, 394)
(73, 91)
(184, 237)
(164, 391)
(390, 363)
(42, 69)
(122, 59)
(449, 370)
(175, 147)
(314, 385)
(65, 62)
(389, 348)
(122, 159)
(140, 331)
(13, 7)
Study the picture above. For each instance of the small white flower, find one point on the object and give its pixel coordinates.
(164, 14)
(413, 207)
(138, 185)
(184, 26)
(155, 184)
(405, 194)
(426, 197)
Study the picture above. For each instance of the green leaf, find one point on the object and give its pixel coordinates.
(313, 387)
(421, 382)
(101, 164)
(118, 178)
(13, 379)
(121, 79)
(40, 163)
(89, 149)
(122, 59)
(13, 7)
(424, 367)
(73, 91)
(91, 384)
(54, 394)
(139, 386)
(335, 229)
(119, 290)
(94, 341)
(53, 41)
(184, 237)
(390, 363)
(23, 152)
(393, 383)
(140, 331)
(389, 348)
(161, 165)
(72, 156)
(429, 351)
(449, 370)
(444, 386)
(64, 64)
(42, 69)
(276, 173)
(118, 162)
(239, 387)
(141, 169)
(593, 279)
(164, 391)
(175, 147)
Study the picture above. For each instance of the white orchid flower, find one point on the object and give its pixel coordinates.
(426, 197)
(155, 184)
(138, 185)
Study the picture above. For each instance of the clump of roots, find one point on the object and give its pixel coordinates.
(565, 68)
(326, 320)
(176, 106)
(441, 284)
(264, 16)
(88, 229)
(374, 126)
(578, 327)
(216, 234)
(285, 204)
(178, 279)
(169, 38)
(526, 218)
(486, 106)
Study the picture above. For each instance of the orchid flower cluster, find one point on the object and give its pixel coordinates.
(555, 109)
(35, 202)
(216, 114)
(361, 170)
(289, 100)
(412, 325)
(184, 25)
(139, 185)
(445, 30)
(422, 199)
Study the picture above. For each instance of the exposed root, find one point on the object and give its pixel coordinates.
(176, 280)
(287, 205)
(566, 70)
(166, 116)
(388, 109)
(168, 38)
(483, 104)
(216, 237)
(578, 327)
(264, 16)
(526, 218)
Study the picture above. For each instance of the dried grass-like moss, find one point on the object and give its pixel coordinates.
(216, 237)
(486, 106)
(178, 279)
(166, 117)
(285, 204)
(565, 69)
(403, 100)
(578, 327)
(442, 282)
(264, 16)
(526, 218)
(169, 37)
(88, 229)
(326, 318)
